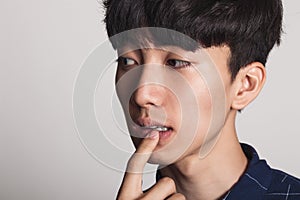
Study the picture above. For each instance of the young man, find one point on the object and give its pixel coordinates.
(206, 161)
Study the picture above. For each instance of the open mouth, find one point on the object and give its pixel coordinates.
(157, 128)
(142, 127)
(164, 131)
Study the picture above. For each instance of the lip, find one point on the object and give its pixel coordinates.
(142, 128)
(149, 122)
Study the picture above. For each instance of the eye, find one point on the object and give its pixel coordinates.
(178, 63)
(126, 61)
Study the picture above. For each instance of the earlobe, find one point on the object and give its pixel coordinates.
(250, 81)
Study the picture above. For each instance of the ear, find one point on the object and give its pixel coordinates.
(249, 82)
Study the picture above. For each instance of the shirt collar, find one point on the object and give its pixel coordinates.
(254, 183)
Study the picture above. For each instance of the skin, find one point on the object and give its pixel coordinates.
(186, 176)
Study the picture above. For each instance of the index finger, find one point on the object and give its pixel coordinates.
(136, 164)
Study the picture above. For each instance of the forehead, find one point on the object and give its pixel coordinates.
(150, 48)
(150, 37)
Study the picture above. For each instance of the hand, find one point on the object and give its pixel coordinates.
(131, 188)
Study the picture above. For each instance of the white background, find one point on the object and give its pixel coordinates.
(42, 46)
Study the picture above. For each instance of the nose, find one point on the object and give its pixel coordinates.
(150, 90)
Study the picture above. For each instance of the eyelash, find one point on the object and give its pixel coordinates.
(121, 60)
(171, 62)
(184, 64)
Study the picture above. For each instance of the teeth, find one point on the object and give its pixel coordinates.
(161, 129)
(157, 128)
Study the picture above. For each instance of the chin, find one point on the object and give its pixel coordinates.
(162, 158)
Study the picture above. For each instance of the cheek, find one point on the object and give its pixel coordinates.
(118, 75)
(118, 88)
(125, 85)
(204, 106)
(203, 98)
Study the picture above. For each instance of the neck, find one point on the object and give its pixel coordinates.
(213, 176)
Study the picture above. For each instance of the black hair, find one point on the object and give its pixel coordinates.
(250, 28)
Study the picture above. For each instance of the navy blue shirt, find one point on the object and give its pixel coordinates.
(261, 182)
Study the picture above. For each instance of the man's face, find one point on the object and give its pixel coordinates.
(168, 91)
